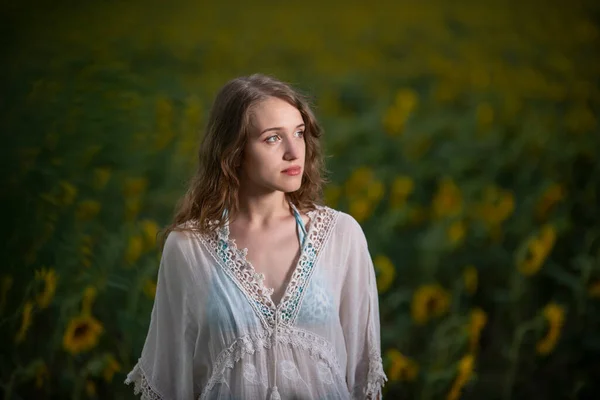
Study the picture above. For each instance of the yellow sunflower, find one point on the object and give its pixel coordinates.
(537, 250)
(465, 371)
(150, 231)
(551, 196)
(476, 325)
(497, 205)
(364, 192)
(25, 322)
(456, 232)
(398, 113)
(429, 301)
(401, 368)
(86, 250)
(402, 187)
(111, 366)
(48, 277)
(385, 272)
(375, 191)
(448, 199)
(360, 209)
(470, 279)
(555, 317)
(134, 249)
(359, 180)
(82, 334)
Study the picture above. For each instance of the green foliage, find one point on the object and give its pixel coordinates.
(463, 137)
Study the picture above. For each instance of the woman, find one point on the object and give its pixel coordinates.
(262, 293)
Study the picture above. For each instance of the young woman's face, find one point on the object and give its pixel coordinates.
(275, 148)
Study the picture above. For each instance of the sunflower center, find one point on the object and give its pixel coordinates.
(431, 305)
(81, 330)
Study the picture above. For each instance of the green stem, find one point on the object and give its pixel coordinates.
(442, 340)
(426, 393)
(515, 295)
(78, 387)
(514, 354)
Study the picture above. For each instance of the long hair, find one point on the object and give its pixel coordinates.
(215, 185)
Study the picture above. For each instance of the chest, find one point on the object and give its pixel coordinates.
(273, 253)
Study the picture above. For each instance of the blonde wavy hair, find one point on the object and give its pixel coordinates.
(216, 183)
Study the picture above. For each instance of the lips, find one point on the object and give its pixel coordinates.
(292, 170)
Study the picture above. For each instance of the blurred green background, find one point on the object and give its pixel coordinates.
(463, 136)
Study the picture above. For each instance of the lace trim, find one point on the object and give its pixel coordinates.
(317, 347)
(227, 256)
(233, 261)
(141, 384)
(376, 378)
(322, 220)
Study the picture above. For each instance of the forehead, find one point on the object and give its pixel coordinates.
(274, 112)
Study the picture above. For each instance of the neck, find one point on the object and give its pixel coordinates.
(261, 209)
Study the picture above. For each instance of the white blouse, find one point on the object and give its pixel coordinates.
(215, 332)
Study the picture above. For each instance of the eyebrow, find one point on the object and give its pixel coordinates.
(278, 128)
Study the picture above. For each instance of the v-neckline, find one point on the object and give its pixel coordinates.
(267, 292)
(235, 264)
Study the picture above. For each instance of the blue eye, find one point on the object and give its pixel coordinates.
(269, 139)
(300, 133)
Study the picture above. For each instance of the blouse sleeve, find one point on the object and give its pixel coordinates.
(359, 315)
(165, 369)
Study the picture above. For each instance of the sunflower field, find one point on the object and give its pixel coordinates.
(463, 136)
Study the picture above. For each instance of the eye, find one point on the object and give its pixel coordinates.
(300, 133)
(272, 139)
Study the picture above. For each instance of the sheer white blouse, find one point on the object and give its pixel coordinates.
(215, 332)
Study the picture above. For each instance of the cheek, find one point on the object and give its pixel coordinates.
(256, 162)
(251, 155)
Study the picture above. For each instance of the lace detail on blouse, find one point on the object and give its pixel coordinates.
(233, 261)
(318, 348)
(322, 220)
(141, 384)
(376, 378)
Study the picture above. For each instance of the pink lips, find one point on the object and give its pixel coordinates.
(292, 171)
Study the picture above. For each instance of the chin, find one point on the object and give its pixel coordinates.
(289, 188)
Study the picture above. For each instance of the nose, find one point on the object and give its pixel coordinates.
(292, 150)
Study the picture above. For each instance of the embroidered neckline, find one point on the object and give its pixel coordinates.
(233, 261)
